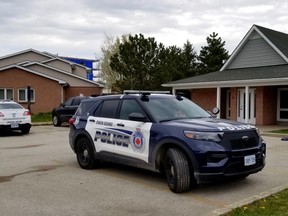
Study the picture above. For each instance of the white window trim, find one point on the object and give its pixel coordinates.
(26, 99)
(278, 105)
(5, 93)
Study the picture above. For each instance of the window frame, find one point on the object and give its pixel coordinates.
(279, 109)
(26, 96)
(5, 93)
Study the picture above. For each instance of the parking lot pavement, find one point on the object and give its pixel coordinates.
(39, 175)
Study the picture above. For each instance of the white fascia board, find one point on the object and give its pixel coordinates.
(236, 83)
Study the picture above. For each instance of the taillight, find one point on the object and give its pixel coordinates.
(26, 113)
(71, 121)
(1, 114)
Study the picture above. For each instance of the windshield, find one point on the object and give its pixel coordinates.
(166, 109)
(10, 106)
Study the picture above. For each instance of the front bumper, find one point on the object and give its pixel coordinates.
(229, 162)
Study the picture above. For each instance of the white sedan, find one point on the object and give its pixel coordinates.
(13, 116)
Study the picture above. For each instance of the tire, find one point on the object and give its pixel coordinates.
(56, 121)
(85, 154)
(177, 171)
(25, 130)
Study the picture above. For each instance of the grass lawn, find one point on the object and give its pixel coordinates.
(273, 205)
(41, 117)
(282, 131)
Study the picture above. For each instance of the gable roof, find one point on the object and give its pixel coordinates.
(60, 81)
(277, 40)
(26, 51)
(67, 74)
(257, 75)
(269, 75)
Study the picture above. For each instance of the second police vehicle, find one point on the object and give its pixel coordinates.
(164, 133)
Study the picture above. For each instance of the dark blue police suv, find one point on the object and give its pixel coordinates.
(164, 133)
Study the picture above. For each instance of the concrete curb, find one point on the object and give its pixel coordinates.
(221, 211)
(41, 123)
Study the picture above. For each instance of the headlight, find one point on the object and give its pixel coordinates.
(207, 136)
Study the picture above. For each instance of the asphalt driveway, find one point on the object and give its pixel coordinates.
(39, 175)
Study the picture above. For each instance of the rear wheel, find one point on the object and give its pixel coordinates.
(85, 154)
(177, 171)
(56, 121)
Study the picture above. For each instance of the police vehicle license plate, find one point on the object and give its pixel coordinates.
(249, 160)
(14, 125)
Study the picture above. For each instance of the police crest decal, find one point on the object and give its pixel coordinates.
(137, 140)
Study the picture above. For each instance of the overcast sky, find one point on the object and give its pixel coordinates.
(77, 28)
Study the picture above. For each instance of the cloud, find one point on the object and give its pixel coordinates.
(77, 27)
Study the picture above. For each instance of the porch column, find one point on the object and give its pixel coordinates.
(218, 102)
(173, 91)
(246, 104)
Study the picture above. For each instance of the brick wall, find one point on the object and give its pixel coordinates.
(206, 98)
(47, 92)
(266, 105)
(86, 91)
(234, 104)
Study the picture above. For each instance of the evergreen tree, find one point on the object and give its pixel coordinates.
(212, 56)
(189, 60)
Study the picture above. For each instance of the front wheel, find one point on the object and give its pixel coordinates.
(85, 154)
(177, 170)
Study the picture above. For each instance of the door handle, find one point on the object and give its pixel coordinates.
(120, 125)
(91, 120)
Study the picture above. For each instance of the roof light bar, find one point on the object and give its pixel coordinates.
(146, 92)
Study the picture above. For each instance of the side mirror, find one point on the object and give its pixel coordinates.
(137, 117)
(215, 110)
(62, 104)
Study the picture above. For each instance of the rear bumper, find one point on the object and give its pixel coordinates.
(10, 127)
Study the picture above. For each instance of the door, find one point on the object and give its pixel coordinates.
(241, 107)
(139, 131)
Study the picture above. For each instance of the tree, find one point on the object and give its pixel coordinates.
(189, 60)
(137, 63)
(212, 56)
(110, 47)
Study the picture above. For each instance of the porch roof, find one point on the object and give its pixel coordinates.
(268, 75)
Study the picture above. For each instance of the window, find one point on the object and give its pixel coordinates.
(282, 104)
(107, 109)
(6, 94)
(23, 96)
(128, 107)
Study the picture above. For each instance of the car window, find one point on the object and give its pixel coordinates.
(107, 109)
(165, 109)
(68, 102)
(77, 101)
(128, 107)
(85, 106)
(10, 106)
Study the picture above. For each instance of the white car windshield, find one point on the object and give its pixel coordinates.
(10, 106)
(166, 109)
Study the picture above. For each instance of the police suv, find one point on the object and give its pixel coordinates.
(164, 133)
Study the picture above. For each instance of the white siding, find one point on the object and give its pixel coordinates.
(256, 53)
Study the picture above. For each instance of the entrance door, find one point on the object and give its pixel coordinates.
(241, 108)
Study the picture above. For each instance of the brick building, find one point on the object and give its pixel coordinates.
(252, 86)
(51, 79)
